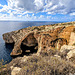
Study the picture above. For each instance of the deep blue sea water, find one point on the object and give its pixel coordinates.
(6, 26)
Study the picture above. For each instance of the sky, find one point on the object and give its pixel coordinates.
(37, 10)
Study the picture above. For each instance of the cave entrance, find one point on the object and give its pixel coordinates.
(27, 50)
(29, 45)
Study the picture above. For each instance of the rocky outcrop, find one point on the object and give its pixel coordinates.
(35, 39)
(67, 47)
(15, 70)
(71, 54)
(69, 51)
(52, 46)
(8, 37)
(66, 32)
(72, 39)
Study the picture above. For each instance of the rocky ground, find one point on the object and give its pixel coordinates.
(45, 50)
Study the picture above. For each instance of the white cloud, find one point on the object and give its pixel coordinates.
(39, 5)
(32, 14)
(55, 6)
(5, 8)
(51, 6)
(72, 14)
(48, 17)
(50, 13)
(3, 15)
(32, 17)
(41, 17)
(60, 6)
(1, 5)
(26, 5)
(22, 8)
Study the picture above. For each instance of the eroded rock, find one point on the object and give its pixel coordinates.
(67, 48)
(66, 32)
(52, 44)
(39, 38)
(72, 39)
(15, 70)
(70, 54)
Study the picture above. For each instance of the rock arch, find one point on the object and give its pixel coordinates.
(28, 40)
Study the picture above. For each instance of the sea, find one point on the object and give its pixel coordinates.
(8, 26)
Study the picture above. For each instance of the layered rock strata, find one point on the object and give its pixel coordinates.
(36, 39)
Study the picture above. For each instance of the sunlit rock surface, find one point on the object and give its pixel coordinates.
(41, 37)
(46, 50)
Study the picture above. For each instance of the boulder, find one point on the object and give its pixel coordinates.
(68, 51)
(15, 70)
(70, 54)
(67, 47)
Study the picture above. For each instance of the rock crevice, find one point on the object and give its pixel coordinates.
(34, 39)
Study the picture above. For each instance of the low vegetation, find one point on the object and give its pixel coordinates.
(46, 64)
(46, 61)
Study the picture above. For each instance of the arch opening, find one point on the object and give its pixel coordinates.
(29, 45)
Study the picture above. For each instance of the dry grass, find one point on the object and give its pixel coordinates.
(46, 64)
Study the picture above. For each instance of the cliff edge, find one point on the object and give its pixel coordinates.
(46, 50)
(35, 39)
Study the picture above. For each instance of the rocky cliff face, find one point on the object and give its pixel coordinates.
(41, 37)
(47, 50)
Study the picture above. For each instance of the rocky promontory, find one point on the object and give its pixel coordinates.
(41, 38)
(46, 50)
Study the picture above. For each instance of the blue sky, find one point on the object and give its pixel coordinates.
(37, 10)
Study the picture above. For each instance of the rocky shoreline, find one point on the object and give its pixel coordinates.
(47, 47)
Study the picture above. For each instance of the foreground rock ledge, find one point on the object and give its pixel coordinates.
(36, 39)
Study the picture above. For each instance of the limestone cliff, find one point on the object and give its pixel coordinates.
(40, 38)
(47, 50)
